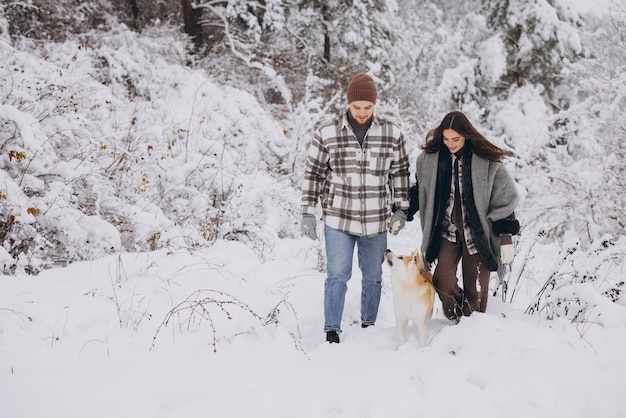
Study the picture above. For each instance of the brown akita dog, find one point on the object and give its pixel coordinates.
(413, 294)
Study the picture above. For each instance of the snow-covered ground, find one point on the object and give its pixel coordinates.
(218, 332)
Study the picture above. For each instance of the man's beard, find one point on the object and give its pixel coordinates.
(359, 123)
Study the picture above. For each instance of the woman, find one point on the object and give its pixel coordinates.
(467, 200)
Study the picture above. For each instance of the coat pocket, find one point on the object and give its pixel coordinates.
(380, 161)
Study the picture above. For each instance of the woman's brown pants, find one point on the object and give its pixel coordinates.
(473, 297)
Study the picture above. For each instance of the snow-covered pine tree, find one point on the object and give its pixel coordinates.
(540, 38)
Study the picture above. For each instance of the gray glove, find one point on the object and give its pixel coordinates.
(308, 226)
(396, 222)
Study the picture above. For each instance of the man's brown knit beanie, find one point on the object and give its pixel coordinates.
(361, 87)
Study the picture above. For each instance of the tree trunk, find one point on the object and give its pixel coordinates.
(134, 9)
(191, 16)
(327, 19)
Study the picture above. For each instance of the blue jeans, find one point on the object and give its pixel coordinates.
(339, 254)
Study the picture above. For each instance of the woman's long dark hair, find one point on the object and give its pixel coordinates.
(474, 140)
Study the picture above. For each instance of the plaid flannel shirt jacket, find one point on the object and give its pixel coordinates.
(356, 185)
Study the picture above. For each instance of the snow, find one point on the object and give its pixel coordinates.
(598, 7)
(95, 339)
(233, 326)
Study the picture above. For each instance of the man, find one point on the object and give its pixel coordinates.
(357, 167)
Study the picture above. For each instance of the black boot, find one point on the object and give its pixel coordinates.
(332, 337)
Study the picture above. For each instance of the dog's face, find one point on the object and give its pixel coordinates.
(406, 264)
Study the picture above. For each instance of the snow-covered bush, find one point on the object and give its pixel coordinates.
(583, 283)
(110, 143)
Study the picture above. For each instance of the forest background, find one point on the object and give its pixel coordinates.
(134, 126)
